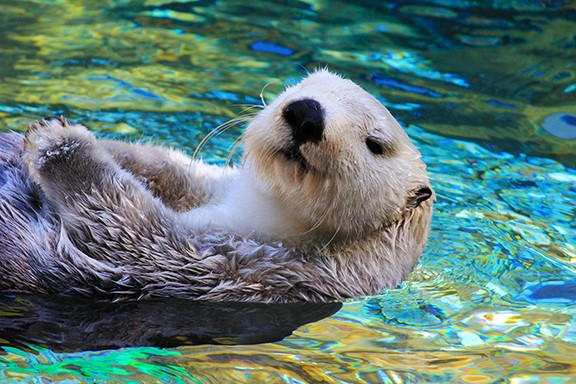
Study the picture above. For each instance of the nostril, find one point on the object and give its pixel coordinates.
(306, 119)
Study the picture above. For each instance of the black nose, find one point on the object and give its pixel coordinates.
(306, 118)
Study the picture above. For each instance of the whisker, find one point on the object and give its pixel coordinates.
(237, 144)
(262, 94)
(323, 218)
(248, 107)
(317, 224)
(221, 129)
(331, 239)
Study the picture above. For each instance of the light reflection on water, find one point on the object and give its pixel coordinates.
(488, 95)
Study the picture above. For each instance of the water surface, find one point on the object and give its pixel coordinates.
(486, 89)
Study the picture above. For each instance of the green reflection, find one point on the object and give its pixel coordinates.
(498, 75)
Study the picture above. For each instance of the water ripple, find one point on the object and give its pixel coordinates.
(485, 89)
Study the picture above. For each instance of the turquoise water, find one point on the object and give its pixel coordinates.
(486, 89)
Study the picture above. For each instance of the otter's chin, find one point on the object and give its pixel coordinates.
(294, 155)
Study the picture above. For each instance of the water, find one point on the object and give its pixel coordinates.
(486, 89)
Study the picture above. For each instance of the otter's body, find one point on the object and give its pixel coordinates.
(332, 201)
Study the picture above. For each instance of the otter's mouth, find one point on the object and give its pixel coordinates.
(295, 155)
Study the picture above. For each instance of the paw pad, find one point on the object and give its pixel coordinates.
(53, 139)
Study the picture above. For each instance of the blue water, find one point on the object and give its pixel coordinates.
(486, 89)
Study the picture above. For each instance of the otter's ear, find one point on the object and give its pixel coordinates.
(418, 196)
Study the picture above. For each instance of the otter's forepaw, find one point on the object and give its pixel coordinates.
(52, 141)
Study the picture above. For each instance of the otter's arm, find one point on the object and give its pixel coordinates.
(97, 199)
(73, 168)
(115, 235)
(176, 179)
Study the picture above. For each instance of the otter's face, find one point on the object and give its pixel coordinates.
(335, 158)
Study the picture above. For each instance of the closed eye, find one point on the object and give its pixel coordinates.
(377, 146)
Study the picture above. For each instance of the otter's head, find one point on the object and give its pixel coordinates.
(336, 159)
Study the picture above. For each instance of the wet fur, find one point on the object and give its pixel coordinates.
(117, 220)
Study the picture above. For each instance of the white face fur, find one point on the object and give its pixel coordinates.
(352, 176)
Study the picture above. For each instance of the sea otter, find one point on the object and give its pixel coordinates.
(330, 202)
